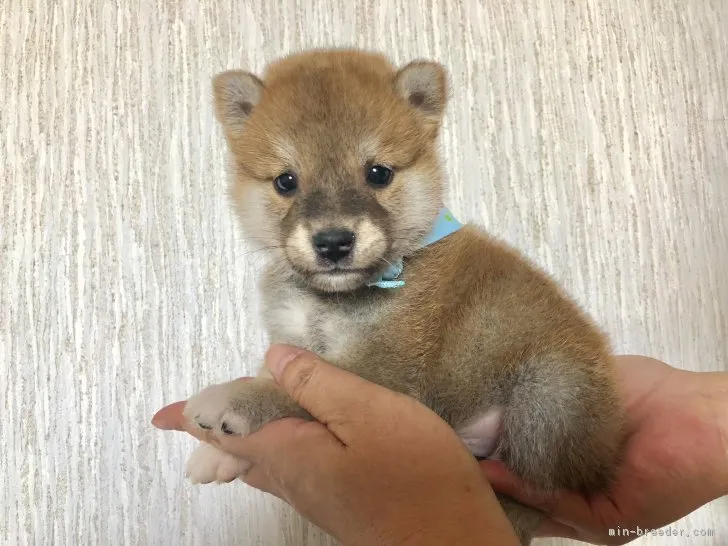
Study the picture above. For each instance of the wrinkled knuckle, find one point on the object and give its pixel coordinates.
(298, 376)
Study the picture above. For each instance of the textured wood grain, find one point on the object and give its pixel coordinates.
(593, 134)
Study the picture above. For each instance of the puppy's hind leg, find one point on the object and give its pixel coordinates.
(561, 429)
(481, 436)
(562, 425)
(524, 520)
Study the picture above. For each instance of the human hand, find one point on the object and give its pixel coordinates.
(676, 457)
(376, 467)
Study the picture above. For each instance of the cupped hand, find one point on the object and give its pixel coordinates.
(376, 467)
(676, 458)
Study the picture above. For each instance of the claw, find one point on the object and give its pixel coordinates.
(226, 429)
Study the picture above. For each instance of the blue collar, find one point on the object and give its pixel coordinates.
(444, 226)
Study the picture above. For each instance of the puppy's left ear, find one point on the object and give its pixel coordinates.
(423, 84)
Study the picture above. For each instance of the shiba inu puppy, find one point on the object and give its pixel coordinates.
(335, 173)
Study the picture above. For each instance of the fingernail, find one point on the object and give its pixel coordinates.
(163, 424)
(168, 418)
(279, 356)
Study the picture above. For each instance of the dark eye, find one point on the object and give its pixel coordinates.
(379, 175)
(286, 184)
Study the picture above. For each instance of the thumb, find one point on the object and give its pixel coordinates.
(337, 398)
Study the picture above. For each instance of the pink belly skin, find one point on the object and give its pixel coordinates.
(481, 434)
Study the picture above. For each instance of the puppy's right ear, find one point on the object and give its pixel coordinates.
(236, 94)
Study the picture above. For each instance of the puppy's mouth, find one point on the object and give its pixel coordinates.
(340, 273)
(337, 278)
(338, 270)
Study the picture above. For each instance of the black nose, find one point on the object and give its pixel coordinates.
(333, 244)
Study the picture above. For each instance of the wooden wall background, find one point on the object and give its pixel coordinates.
(591, 134)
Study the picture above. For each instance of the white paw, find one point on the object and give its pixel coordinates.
(208, 464)
(214, 409)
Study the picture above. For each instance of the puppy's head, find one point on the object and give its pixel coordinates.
(334, 160)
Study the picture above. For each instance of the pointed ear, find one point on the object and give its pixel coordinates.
(424, 85)
(236, 94)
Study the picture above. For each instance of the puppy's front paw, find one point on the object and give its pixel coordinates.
(208, 464)
(219, 409)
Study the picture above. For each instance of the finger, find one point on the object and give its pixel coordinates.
(507, 483)
(550, 528)
(170, 417)
(564, 507)
(333, 396)
(554, 506)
